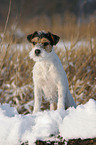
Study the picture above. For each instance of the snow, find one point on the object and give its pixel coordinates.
(71, 123)
(63, 45)
(80, 122)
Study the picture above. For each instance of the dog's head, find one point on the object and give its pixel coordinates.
(42, 44)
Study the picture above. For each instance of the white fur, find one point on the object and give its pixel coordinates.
(50, 80)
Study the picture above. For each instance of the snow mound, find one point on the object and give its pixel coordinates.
(80, 122)
(71, 123)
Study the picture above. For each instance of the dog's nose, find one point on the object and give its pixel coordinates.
(37, 52)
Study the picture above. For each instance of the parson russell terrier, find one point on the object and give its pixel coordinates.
(49, 77)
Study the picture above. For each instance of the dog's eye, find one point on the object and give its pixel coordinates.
(46, 43)
(34, 43)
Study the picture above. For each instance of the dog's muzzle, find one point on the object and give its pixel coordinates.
(37, 52)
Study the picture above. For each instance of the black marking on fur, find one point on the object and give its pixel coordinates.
(41, 34)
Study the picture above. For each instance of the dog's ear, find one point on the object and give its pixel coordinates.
(31, 36)
(53, 38)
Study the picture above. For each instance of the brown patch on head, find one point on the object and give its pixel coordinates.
(36, 39)
(45, 40)
(42, 41)
(41, 34)
(46, 44)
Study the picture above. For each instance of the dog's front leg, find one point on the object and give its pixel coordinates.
(61, 97)
(53, 106)
(37, 99)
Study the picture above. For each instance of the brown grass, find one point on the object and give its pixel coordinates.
(67, 26)
(80, 66)
(79, 62)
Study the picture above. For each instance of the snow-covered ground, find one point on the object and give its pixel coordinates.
(69, 44)
(72, 123)
(62, 45)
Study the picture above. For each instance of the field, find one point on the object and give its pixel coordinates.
(76, 50)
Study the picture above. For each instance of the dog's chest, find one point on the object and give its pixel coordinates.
(45, 76)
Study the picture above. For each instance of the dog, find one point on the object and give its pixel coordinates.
(49, 77)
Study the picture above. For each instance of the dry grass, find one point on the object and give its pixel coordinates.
(66, 26)
(79, 62)
(15, 75)
(80, 66)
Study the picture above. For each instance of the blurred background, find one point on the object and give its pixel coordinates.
(73, 20)
(57, 16)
